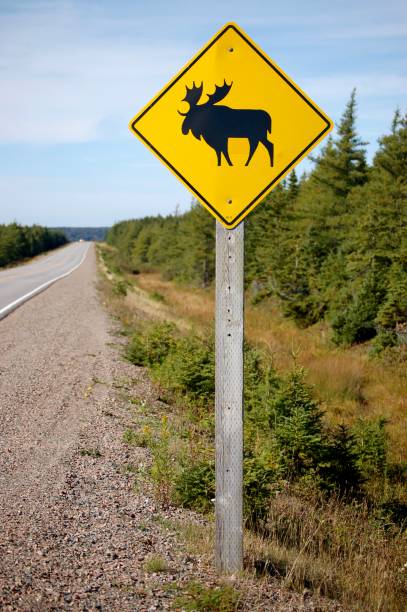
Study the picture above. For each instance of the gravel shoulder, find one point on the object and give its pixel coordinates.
(77, 524)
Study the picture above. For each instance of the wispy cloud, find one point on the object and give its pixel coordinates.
(60, 86)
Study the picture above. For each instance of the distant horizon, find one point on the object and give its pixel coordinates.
(74, 73)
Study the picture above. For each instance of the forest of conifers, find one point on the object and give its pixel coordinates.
(330, 245)
(19, 242)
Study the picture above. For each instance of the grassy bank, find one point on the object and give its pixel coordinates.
(323, 503)
(348, 382)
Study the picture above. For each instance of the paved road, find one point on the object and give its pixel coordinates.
(19, 284)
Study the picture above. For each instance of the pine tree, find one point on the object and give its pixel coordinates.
(321, 222)
(296, 422)
(342, 165)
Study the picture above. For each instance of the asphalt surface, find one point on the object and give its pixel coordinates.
(21, 283)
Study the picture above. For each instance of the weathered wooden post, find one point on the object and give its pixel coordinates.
(229, 398)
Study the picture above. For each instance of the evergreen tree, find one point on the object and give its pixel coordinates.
(376, 246)
(343, 166)
(341, 470)
(296, 421)
(319, 219)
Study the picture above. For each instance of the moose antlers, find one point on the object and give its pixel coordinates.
(219, 93)
(193, 94)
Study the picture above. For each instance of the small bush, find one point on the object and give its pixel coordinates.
(296, 421)
(198, 598)
(151, 347)
(140, 438)
(161, 470)
(121, 287)
(356, 322)
(259, 475)
(371, 443)
(195, 486)
(341, 469)
(158, 297)
(189, 368)
(155, 564)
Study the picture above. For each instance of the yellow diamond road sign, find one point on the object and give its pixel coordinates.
(230, 125)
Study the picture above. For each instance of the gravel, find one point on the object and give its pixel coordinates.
(75, 533)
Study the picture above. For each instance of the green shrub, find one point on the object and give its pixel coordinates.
(155, 564)
(189, 368)
(195, 486)
(121, 287)
(140, 438)
(285, 435)
(341, 469)
(162, 467)
(259, 475)
(385, 339)
(356, 322)
(157, 296)
(371, 446)
(198, 598)
(152, 346)
(136, 351)
(296, 422)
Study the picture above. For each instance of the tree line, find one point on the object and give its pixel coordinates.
(83, 233)
(329, 245)
(19, 242)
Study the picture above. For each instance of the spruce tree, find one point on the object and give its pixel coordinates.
(376, 247)
(296, 422)
(341, 470)
(321, 221)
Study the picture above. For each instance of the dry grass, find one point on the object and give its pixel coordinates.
(333, 550)
(349, 384)
(328, 548)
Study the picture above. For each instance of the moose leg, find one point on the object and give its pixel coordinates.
(253, 146)
(270, 148)
(226, 154)
(219, 156)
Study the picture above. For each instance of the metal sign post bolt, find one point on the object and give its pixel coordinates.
(229, 398)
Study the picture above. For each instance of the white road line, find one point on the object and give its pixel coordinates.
(13, 305)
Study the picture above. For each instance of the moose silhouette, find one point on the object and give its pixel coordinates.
(216, 124)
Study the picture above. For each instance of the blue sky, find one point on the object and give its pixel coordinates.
(73, 73)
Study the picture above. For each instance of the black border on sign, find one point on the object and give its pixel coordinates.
(183, 179)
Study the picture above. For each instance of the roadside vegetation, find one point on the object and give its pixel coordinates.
(19, 242)
(325, 455)
(325, 503)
